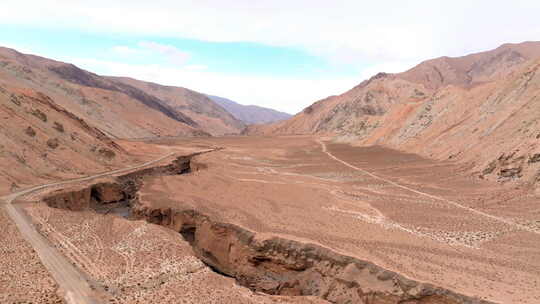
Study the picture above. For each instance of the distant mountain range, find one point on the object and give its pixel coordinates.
(250, 114)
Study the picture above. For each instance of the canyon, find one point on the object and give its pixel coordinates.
(415, 187)
(313, 221)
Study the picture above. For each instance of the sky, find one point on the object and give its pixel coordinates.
(282, 54)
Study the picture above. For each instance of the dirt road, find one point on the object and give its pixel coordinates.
(455, 204)
(72, 282)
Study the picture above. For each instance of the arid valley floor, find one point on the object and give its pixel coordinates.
(291, 219)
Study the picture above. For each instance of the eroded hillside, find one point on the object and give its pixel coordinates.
(40, 141)
(481, 109)
(205, 113)
(120, 107)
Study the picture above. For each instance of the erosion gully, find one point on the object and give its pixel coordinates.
(275, 266)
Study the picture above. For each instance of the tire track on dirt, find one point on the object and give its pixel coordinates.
(455, 204)
(71, 280)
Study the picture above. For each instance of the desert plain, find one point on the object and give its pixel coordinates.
(288, 219)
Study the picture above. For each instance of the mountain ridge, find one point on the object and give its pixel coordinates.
(250, 114)
(479, 109)
(60, 121)
(89, 94)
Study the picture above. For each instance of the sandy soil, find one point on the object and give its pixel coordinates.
(421, 218)
(138, 262)
(22, 282)
(424, 219)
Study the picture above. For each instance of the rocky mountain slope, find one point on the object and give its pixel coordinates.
(482, 109)
(42, 141)
(59, 121)
(207, 114)
(120, 107)
(250, 114)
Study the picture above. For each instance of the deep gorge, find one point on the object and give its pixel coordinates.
(275, 266)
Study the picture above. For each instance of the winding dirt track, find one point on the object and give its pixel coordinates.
(496, 218)
(71, 281)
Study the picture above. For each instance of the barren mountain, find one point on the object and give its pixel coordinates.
(481, 109)
(120, 107)
(40, 141)
(250, 114)
(207, 114)
(279, 219)
(59, 121)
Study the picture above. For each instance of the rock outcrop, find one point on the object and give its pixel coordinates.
(279, 266)
(122, 189)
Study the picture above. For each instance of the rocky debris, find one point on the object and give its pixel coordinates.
(30, 132)
(23, 279)
(200, 133)
(534, 158)
(58, 127)
(308, 110)
(418, 93)
(14, 99)
(490, 168)
(47, 101)
(74, 199)
(279, 266)
(37, 113)
(53, 143)
(507, 166)
(108, 192)
(378, 76)
(511, 172)
(106, 152)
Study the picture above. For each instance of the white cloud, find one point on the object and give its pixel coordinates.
(196, 67)
(172, 53)
(125, 50)
(285, 94)
(343, 30)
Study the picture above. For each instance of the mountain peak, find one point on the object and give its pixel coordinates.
(250, 114)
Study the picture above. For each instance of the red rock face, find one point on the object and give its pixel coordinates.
(108, 192)
(475, 109)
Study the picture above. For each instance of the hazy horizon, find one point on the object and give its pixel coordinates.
(280, 55)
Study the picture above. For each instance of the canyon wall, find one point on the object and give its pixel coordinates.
(272, 265)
